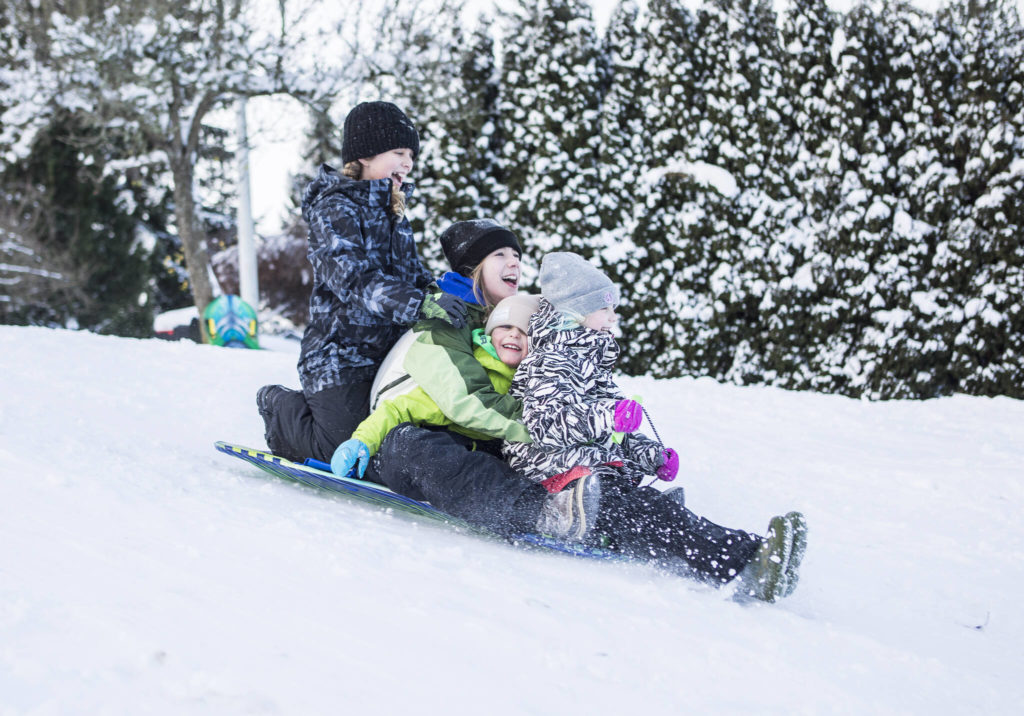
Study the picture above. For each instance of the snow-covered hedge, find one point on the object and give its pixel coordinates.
(812, 200)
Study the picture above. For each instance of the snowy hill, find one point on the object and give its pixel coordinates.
(143, 572)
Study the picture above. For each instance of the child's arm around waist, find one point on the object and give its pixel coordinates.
(414, 407)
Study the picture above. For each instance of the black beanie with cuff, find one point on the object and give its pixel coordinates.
(372, 128)
(467, 243)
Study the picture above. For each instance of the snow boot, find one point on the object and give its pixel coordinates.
(798, 528)
(677, 493)
(571, 512)
(266, 400)
(764, 577)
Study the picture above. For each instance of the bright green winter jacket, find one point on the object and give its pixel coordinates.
(460, 383)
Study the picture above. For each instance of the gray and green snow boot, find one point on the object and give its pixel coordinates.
(764, 577)
(798, 529)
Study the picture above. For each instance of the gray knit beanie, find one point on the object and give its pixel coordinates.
(575, 286)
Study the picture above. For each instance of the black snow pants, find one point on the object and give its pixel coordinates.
(453, 473)
(445, 469)
(300, 426)
(652, 526)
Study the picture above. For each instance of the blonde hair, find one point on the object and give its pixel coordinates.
(477, 277)
(354, 170)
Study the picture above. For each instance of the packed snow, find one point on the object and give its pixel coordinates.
(143, 572)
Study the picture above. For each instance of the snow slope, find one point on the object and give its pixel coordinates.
(141, 572)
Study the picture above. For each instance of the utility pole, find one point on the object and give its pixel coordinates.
(248, 278)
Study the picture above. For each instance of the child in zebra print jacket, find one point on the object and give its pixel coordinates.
(585, 446)
(575, 412)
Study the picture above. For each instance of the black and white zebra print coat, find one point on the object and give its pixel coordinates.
(569, 397)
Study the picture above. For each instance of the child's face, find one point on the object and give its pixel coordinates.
(510, 343)
(394, 164)
(499, 274)
(601, 320)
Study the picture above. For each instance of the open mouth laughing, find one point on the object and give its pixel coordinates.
(511, 279)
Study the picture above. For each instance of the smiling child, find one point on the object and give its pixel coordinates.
(499, 347)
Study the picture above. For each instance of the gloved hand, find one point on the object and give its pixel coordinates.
(670, 468)
(446, 307)
(628, 416)
(351, 455)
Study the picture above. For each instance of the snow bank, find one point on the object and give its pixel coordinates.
(142, 572)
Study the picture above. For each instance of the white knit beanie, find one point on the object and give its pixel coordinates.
(575, 286)
(513, 311)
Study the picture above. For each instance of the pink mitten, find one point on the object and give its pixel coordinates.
(670, 468)
(628, 415)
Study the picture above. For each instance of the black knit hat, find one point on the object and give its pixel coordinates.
(467, 243)
(375, 127)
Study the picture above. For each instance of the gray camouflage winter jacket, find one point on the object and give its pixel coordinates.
(569, 396)
(368, 282)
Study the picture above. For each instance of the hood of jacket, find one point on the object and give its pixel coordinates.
(458, 286)
(330, 182)
(499, 373)
(551, 330)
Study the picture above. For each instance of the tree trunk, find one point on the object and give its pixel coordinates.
(193, 236)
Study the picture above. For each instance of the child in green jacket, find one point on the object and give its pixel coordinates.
(499, 347)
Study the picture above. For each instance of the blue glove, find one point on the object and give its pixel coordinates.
(349, 456)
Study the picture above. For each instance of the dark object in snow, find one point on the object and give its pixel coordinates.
(190, 332)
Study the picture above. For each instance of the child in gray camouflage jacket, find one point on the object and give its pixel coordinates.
(369, 285)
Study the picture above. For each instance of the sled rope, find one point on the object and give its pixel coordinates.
(653, 429)
(654, 478)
